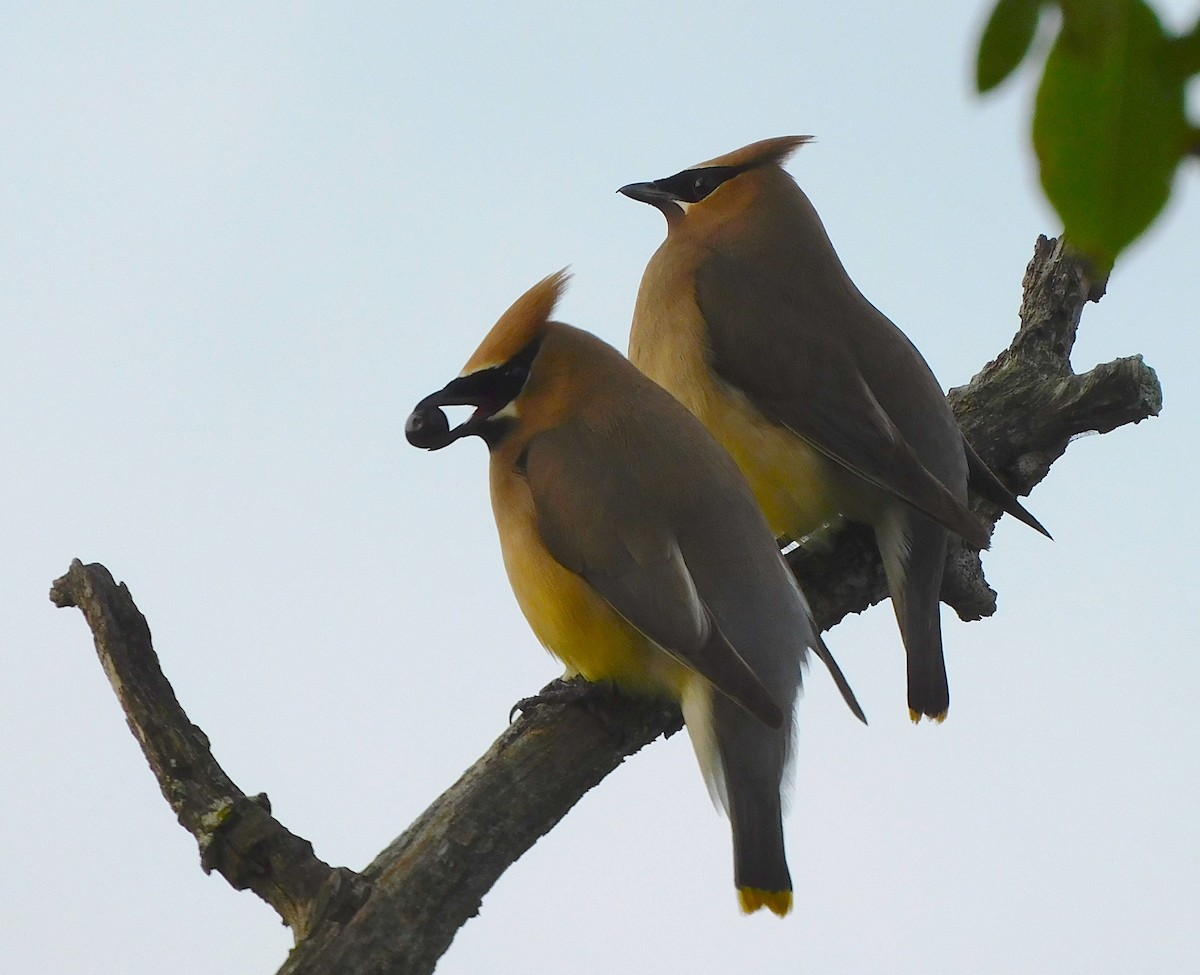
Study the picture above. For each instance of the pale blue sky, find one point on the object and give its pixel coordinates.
(239, 244)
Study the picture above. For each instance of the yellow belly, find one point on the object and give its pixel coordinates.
(567, 615)
(798, 489)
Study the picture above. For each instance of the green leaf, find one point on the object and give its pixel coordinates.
(1188, 51)
(1109, 126)
(1005, 41)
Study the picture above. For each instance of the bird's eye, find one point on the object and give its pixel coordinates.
(693, 185)
(704, 184)
(517, 373)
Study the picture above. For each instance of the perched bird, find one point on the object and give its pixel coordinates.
(746, 314)
(639, 557)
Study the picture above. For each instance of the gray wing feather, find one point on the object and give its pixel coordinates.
(791, 351)
(596, 523)
(986, 484)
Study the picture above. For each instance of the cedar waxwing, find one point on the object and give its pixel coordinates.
(639, 556)
(746, 314)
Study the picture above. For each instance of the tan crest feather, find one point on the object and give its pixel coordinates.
(520, 325)
(759, 153)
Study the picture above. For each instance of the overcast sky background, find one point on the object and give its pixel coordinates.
(239, 242)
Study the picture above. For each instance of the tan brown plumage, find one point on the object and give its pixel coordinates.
(746, 314)
(638, 555)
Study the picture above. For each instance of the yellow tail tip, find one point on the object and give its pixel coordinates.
(777, 901)
(916, 716)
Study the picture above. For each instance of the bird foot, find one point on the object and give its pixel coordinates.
(596, 699)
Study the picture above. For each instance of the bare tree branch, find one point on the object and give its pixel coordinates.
(431, 880)
(1020, 413)
(237, 835)
(401, 913)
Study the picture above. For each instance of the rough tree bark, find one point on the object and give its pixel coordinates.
(400, 914)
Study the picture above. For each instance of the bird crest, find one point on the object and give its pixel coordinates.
(775, 151)
(522, 324)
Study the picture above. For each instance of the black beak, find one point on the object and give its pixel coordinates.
(653, 193)
(427, 426)
(658, 196)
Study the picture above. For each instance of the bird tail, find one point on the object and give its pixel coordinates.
(913, 550)
(753, 760)
(760, 868)
(777, 901)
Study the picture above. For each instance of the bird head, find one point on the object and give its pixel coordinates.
(697, 186)
(494, 377)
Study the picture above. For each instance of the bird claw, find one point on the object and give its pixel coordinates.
(596, 699)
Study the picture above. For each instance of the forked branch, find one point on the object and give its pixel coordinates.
(401, 913)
